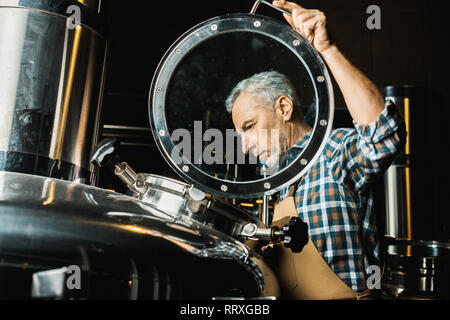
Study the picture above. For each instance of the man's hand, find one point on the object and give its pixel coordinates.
(311, 24)
(364, 101)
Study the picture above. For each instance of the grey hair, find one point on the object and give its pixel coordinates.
(267, 86)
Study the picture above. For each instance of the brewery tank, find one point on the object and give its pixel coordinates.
(52, 66)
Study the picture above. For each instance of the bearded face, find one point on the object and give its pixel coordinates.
(263, 128)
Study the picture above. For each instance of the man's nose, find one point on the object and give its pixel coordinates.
(245, 143)
(248, 144)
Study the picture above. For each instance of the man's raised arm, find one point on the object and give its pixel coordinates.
(364, 101)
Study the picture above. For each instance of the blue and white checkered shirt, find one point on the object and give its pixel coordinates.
(335, 199)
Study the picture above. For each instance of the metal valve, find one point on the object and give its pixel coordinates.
(105, 155)
(294, 235)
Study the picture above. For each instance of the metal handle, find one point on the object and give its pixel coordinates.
(256, 5)
(258, 2)
(294, 235)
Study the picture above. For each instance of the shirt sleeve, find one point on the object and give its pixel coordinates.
(359, 156)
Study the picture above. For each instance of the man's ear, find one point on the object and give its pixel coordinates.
(284, 108)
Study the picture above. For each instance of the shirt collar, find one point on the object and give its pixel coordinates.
(301, 144)
(296, 149)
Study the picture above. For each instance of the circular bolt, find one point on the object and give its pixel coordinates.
(303, 162)
(178, 51)
(267, 185)
(158, 90)
(214, 27)
(257, 24)
(162, 133)
(185, 168)
(224, 188)
(296, 43)
(320, 79)
(251, 228)
(323, 123)
(140, 183)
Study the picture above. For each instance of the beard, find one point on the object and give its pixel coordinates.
(274, 162)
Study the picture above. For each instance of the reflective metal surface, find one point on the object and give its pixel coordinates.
(187, 103)
(50, 96)
(44, 219)
(177, 198)
(49, 283)
(397, 179)
(91, 12)
(396, 208)
(417, 269)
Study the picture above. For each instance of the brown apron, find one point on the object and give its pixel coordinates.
(304, 275)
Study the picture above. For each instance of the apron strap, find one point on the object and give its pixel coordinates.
(291, 191)
(293, 187)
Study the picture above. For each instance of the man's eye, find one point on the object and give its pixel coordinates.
(250, 126)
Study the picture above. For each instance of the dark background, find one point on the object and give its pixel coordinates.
(410, 48)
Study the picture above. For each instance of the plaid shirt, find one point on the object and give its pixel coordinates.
(334, 197)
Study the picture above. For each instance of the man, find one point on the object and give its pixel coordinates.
(334, 197)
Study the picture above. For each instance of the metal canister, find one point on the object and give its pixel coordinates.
(52, 61)
(397, 179)
(416, 270)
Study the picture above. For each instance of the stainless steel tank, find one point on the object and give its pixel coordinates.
(397, 179)
(125, 248)
(52, 61)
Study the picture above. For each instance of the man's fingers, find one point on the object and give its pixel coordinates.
(289, 19)
(308, 27)
(290, 6)
(300, 18)
(309, 23)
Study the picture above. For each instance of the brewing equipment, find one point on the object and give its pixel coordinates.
(397, 179)
(165, 239)
(414, 268)
(125, 248)
(51, 73)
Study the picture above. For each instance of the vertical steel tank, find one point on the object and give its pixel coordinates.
(52, 62)
(397, 179)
